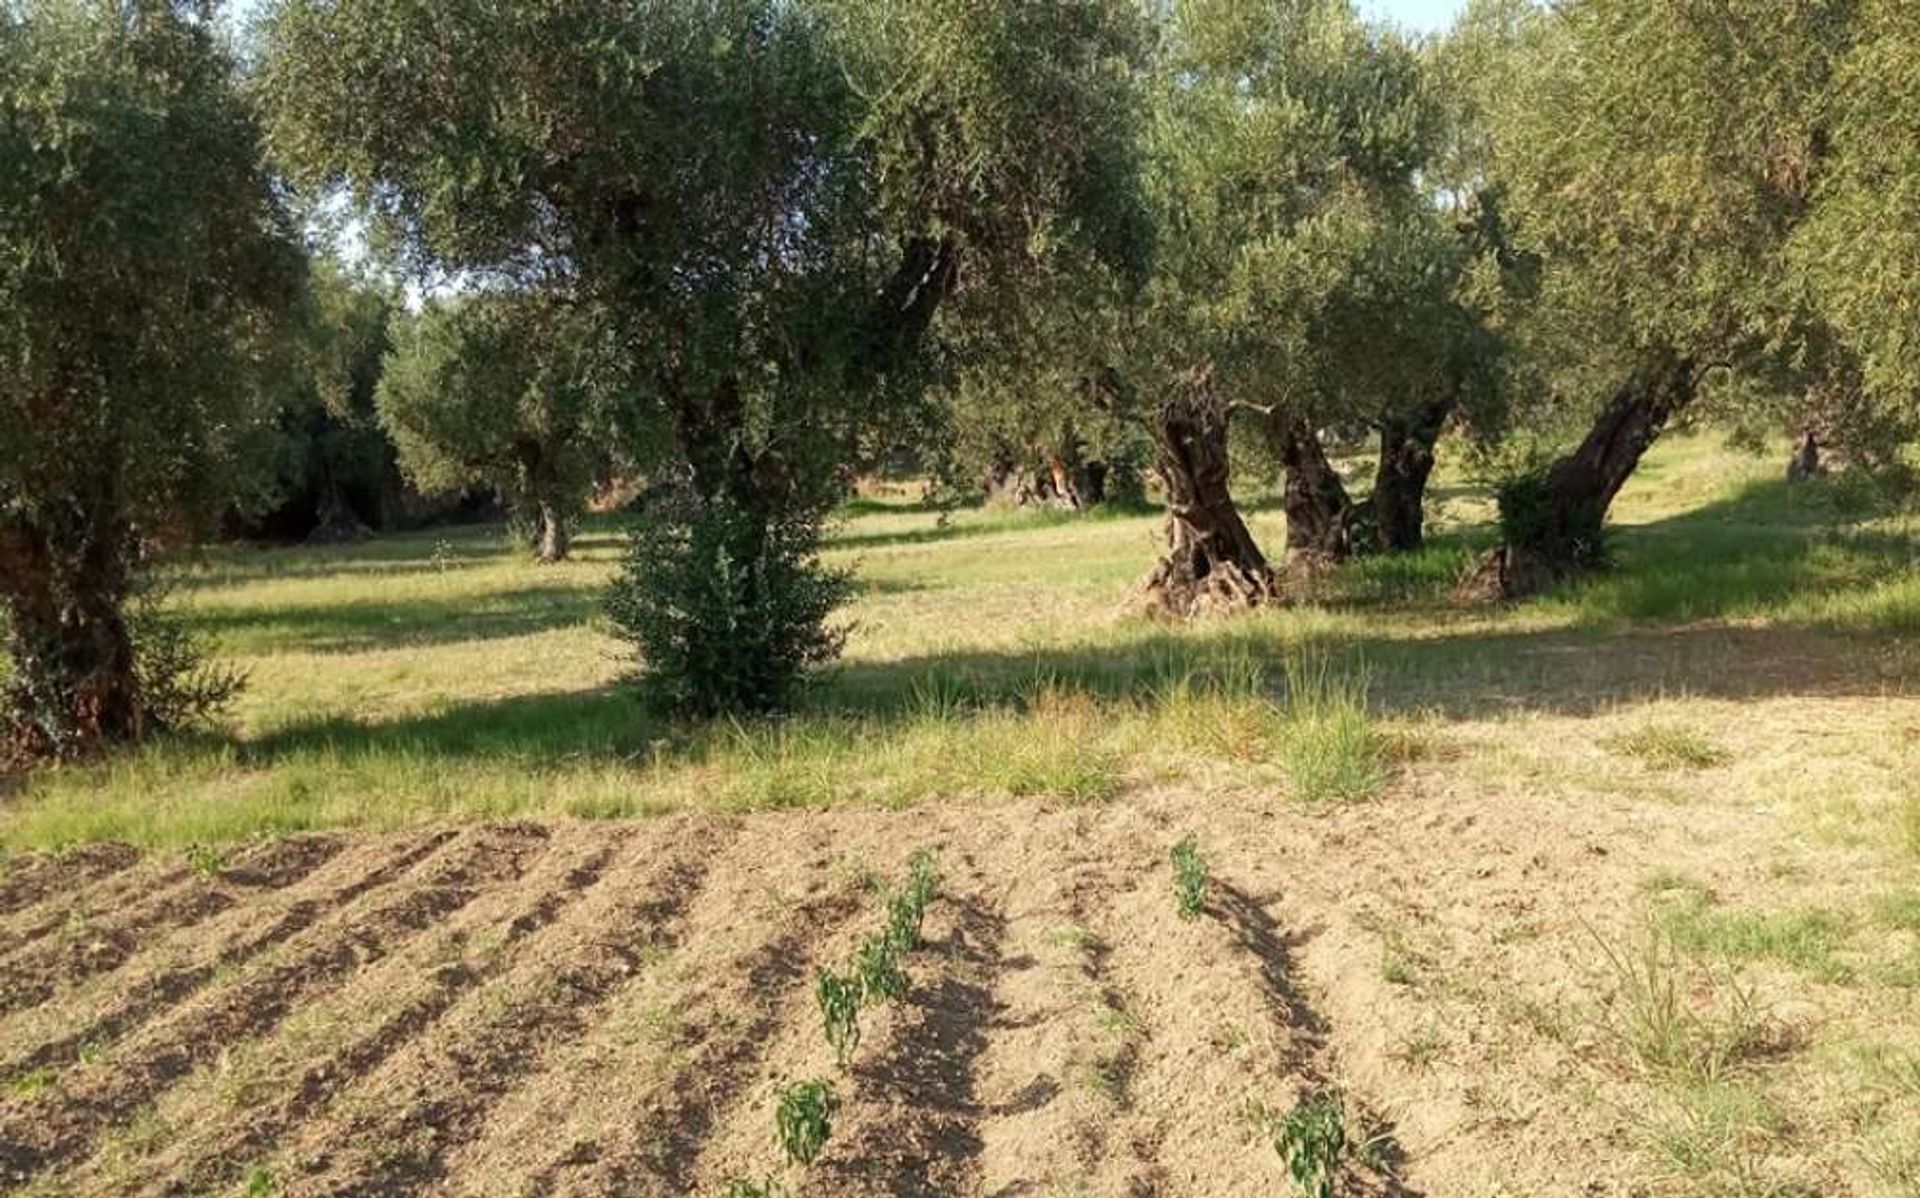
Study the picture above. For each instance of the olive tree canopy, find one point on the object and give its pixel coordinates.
(145, 262)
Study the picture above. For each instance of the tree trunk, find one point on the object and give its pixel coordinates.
(1212, 564)
(1551, 525)
(76, 684)
(1320, 513)
(1398, 504)
(553, 539)
(336, 522)
(1805, 465)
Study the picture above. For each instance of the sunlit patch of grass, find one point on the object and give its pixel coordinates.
(1332, 750)
(1899, 909)
(1668, 746)
(1805, 938)
(1907, 823)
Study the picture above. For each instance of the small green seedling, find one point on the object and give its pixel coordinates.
(804, 1119)
(877, 965)
(206, 861)
(1312, 1140)
(1189, 878)
(839, 999)
(907, 914)
(743, 1187)
(260, 1183)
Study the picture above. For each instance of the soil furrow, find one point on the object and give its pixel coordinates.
(229, 1116)
(644, 1091)
(93, 1016)
(912, 1123)
(36, 974)
(73, 915)
(47, 1130)
(53, 876)
(394, 1130)
(1055, 1077)
(142, 907)
(710, 1146)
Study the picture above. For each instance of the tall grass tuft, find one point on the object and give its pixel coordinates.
(1330, 746)
(1677, 1022)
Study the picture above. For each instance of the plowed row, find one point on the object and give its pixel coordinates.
(610, 1009)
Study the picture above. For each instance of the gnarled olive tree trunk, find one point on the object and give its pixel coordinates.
(1398, 504)
(1325, 524)
(1212, 564)
(1551, 523)
(1320, 513)
(76, 682)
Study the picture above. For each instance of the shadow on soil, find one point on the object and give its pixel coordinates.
(935, 1074)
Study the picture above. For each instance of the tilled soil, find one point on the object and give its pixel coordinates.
(612, 1009)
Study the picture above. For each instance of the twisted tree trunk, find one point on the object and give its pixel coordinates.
(1398, 504)
(1320, 513)
(1552, 525)
(1212, 564)
(1806, 465)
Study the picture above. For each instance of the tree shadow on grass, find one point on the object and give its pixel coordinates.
(1468, 675)
(603, 724)
(430, 551)
(1008, 523)
(374, 623)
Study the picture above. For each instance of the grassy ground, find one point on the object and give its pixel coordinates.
(1625, 880)
(440, 674)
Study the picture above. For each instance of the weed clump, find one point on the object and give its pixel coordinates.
(1330, 747)
(1669, 746)
(1680, 1023)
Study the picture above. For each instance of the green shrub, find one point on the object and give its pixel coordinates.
(177, 685)
(726, 603)
(1535, 521)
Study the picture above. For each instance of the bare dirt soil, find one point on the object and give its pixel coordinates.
(611, 1008)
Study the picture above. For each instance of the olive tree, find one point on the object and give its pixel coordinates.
(506, 392)
(1284, 154)
(144, 265)
(772, 201)
(1662, 218)
(1859, 250)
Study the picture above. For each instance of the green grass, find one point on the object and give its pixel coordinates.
(1669, 746)
(440, 675)
(1805, 939)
